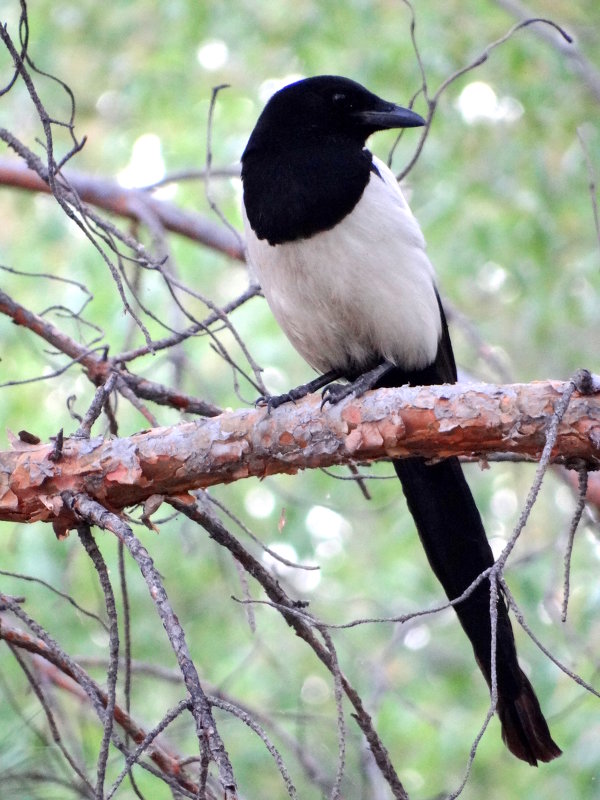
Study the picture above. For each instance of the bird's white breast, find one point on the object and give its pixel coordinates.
(358, 293)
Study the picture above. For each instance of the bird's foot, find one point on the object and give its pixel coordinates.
(274, 401)
(336, 392)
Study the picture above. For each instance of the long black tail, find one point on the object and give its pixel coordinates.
(456, 545)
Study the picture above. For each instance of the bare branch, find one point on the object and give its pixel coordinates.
(111, 196)
(169, 766)
(593, 183)
(85, 535)
(432, 100)
(95, 409)
(77, 768)
(94, 513)
(435, 422)
(253, 290)
(583, 487)
(98, 367)
(569, 49)
(302, 623)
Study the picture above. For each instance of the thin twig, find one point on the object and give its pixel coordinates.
(593, 184)
(301, 625)
(56, 737)
(522, 622)
(253, 290)
(568, 49)
(134, 757)
(481, 59)
(86, 538)
(208, 167)
(95, 409)
(56, 591)
(249, 720)
(168, 768)
(583, 484)
(206, 729)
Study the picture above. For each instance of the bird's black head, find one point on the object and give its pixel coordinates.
(326, 106)
(305, 165)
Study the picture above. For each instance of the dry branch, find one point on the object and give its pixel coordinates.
(98, 367)
(581, 66)
(166, 761)
(209, 739)
(130, 203)
(475, 420)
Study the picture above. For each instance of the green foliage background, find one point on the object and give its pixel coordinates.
(507, 212)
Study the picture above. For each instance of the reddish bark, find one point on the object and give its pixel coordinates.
(477, 421)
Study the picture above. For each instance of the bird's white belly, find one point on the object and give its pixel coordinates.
(358, 293)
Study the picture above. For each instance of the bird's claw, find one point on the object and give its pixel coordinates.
(270, 401)
(336, 392)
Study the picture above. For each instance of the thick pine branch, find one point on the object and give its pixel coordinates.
(478, 421)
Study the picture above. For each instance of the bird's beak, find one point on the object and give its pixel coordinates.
(389, 116)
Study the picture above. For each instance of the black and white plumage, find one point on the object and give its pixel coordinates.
(342, 263)
(355, 307)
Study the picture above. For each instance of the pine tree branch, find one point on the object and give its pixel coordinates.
(129, 203)
(478, 421)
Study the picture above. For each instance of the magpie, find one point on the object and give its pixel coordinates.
(342, 264)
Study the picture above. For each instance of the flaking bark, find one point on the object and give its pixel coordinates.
(478, 421)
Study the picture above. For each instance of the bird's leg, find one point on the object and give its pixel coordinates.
(274, 401)
(338, 391)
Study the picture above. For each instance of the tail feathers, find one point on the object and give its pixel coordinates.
(524, 730)
(454, 540)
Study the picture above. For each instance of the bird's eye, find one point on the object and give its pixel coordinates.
(340, 99)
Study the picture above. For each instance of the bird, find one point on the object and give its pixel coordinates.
(342, 263)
